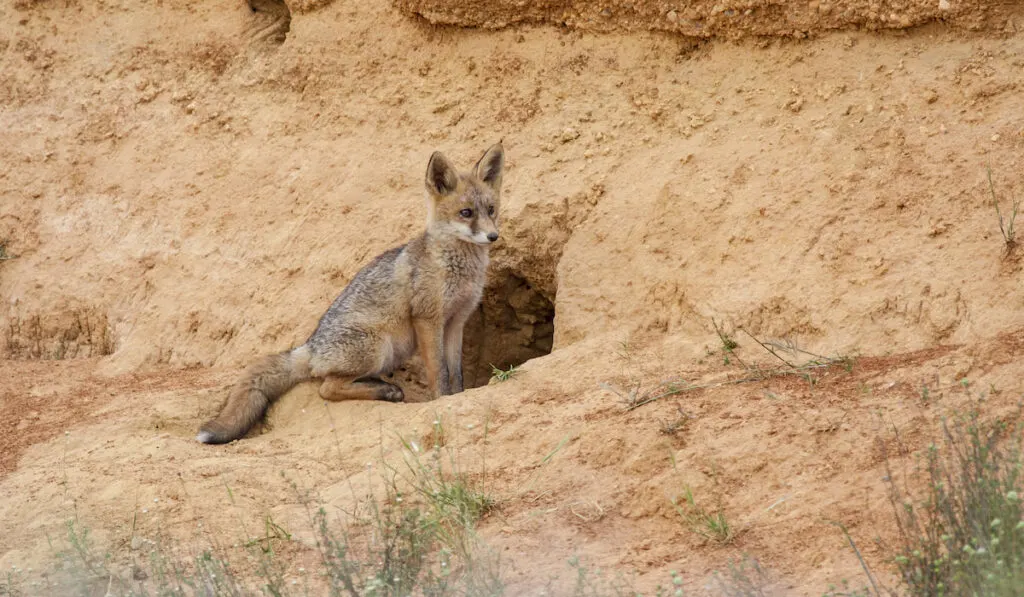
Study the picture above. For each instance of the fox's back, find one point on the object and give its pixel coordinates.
(373, 299)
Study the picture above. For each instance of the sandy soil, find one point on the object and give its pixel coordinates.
(715, 18)
(189, 186)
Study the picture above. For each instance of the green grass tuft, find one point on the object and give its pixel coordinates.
(500, 375)
(710, 525)
(965, 535)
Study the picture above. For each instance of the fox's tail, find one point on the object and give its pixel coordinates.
(263, 382)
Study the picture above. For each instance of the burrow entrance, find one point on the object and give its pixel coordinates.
(271, 21)
(514, 323)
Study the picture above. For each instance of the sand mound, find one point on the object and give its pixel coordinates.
(190, 185)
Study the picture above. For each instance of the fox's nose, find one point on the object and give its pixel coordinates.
(493, 236)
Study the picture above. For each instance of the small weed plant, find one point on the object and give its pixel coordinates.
(711, 525)
(742, 578)
(500, 375)
(590, 581)
(634, 395)
(729, 344)
(419, 540)
(455, 500)
(965, 535)
(1005, 223)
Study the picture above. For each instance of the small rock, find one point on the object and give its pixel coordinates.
(995, 137)
(672, 16)
(569, 134)
(943, 4)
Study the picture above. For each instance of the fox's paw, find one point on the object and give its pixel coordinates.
(391, 393)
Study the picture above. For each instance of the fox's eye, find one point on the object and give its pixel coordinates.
(490, 210)
(466, 213)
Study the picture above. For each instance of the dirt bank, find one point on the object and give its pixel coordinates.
(716, 19)
(190, 185)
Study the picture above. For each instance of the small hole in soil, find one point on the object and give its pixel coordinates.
(271, 21)
(515, 323)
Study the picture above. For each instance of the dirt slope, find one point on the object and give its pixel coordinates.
(715, 18)
(189, 186)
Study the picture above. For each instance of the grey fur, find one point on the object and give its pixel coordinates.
(415, 296)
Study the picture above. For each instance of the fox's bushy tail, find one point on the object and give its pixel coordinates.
(263, 382)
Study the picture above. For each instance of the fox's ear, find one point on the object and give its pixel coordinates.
(441, 175)
(490, 166)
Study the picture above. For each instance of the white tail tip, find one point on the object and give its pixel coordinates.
(205, 437)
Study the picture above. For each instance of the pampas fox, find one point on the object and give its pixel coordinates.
(416, 297)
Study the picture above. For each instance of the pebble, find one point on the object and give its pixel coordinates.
(569, 134)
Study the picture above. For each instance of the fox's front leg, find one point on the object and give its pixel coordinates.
(430, 341)
(453, 351)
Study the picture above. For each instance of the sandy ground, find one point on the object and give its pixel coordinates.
(189, 186)
(715, 19)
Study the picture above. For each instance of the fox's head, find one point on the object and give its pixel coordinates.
(466, 205)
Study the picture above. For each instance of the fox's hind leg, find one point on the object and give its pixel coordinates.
(336, 388)
(385, 391)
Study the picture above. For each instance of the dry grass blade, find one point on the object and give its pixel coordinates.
(634, 398)
(1005, 225)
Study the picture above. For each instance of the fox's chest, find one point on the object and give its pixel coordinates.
(462, 293)
(464, 285)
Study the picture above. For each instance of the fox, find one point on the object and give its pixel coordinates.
(413, 298)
